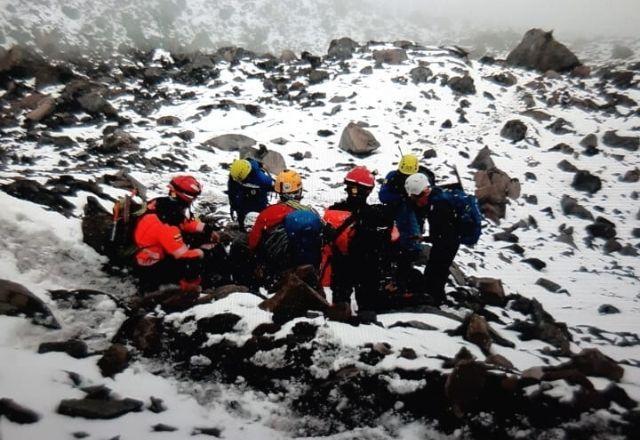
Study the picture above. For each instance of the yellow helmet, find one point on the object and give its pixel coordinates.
(288, 182)
(408, 164)
(240, 169)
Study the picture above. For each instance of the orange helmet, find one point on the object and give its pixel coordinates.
(288, 182)
(186, 188)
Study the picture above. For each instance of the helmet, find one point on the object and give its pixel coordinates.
(288, 182)
(408, 164)
(360, 176)
(186, 188)
(240, 169)
(416, 184)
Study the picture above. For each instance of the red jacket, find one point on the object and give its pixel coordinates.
(268, 219)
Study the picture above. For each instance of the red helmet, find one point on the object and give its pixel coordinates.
(360, 175)
(186, 188)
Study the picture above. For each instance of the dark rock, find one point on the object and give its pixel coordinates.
(408, 353)
(413, 324)
(168, 120)
(542, 326)
(420, 74)
(358, 141)
(368, 70)
(559, 127)
(161, 427)
(592, 362)
(493, 187)
(97, 408)
(17, 413)
(447, 124)
(613, 140)
(390, 56)
(317, 76)
(272, 161)
(294, 298)
(635, 233)
(499, 361)
(514, 130)
(45, 108)
(230, 142)
(153, 75)
(540, 51)
(612, 245)
(114, 360)
(325, 133)
(477, 332)
(213, 432)
(94, 104)
(536, 263)
(314, 60)
(429, 154)
(567, 166)
(631, 176)
(80, 434)
(570, 206)
(156, 405)
(288, 56)
(73, 347)
(186, 135)
(608, 309)
(218, 324)
(16, 300)
(589, 141)
(35, 192)
(465, 384)
(483, 160)
(622, 79)
(509, 237)
(629, 251)
(342, 48)
(462, 84)
(548, 285)
(585, 181)
(562, 148)
(491, 290)
(118, 141)
(504, 79)
(602, 228)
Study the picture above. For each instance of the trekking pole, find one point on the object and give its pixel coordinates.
(116, 215)
(455, 171)
(400, 150)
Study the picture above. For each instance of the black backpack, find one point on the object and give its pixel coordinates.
(126, 214)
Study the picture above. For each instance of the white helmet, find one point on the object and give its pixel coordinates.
(416, 184)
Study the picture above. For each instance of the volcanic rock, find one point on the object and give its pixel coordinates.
(585, 181)
(358, 141)
(462, 84)
(114, 360)
(540, 51)
(73, 347)
(342, 48)
(230, 142)
(602, 228)
(16, 300)
(35, 192)
(613, 140)
(17, 413)
(390, 56)
(118, 141)
(570, 206)
(483, 160)
(420, 74)
(514, 130)
(98, 408)
(272, 161)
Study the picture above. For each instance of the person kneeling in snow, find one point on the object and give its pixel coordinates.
(356, 256)
(162, 256)
(288, 234)
(248, 188)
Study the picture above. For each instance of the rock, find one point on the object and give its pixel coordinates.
(420, 74)
(540, 51)
(161, 427)
(156, 405)
(447, 124)
(218, 324)
(342, 48)
(462, 84)
(548, 285)
(272, 161)
(230, 142)
(514, 130)
(17, 413)
(621, 52)
(288, 56)
(630, 143)
(368, 70)
(581, 71)
(491, 290)
(357, 140)
(493, 187)
(413, 324)
(94, 104)
(570, 206)
(213, 432)
(97, 224)
(408, 353)
(147, 335)
(592, 362)
(559, 127)
(585, 181)
(631, 176)
(628, 250)
(499, 361)
(602, 228)
(325, 133)
(35, 192)
(567, 166)
(153, 75)
(622, 79)
(73, 347)
(465, 384)
(478, 332)
(114, 360)
(483, 160)
(317, 76)
(635, 233)
(168, 120)
(504, 79)
(390, 56)
(294, 298)
(98, 408)
(16, 300)
(589, 141)
(608, 309)
(46, 107)
(429, 154)
(542, 325)
(118, 141)
(612, 245)
(509, 237)
(186, 135)
(536, 263)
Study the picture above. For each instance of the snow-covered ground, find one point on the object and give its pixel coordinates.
(44, 251)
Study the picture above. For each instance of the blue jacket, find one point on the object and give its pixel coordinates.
(392, 190)
(252, 194)
(410, 224)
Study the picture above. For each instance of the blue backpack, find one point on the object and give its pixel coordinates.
(304, 233)
(467, 210)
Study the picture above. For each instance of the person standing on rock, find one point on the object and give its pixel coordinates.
(355, 257)
(162, 256)
(288, 233)
(423, 203)
(248, 188)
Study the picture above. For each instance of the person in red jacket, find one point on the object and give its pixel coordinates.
(162, 256)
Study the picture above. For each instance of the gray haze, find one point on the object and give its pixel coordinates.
(104, 26)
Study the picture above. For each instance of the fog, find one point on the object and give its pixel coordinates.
(73, 26)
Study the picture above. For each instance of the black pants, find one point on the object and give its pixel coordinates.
(351, 273)
(436, 272)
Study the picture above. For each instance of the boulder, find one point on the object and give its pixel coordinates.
(548, 285)
(390, 56)
(589, 141)
(608, 309)
(592, 362)
(491, 290)
(114, 360)
(585, 181)
(230, 142)
(98, 408)
(514, 130)
(570, 206)
(602, 228)
(17, 413)
(483, 160)
(17, 300)
(316, 76)
(342, 48)
(478, 333)
(540, 51)
(117, 142)
(504, 79)
(358, 141)
(493, 187)
(420, 74)
(97, 224)
(567, 166)
(272, 161)
(288, 56)
(462, 84)
(46, 107)
(168, 120)
(613, 140)
(631, 176)
(465, 384)
(73, 347)
(94, 104)
(294, 298)
(35, 192)
(499, 361)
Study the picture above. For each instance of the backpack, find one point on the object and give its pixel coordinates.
(126, 214)
(372, 232)
(467, 211)
(304, 233)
